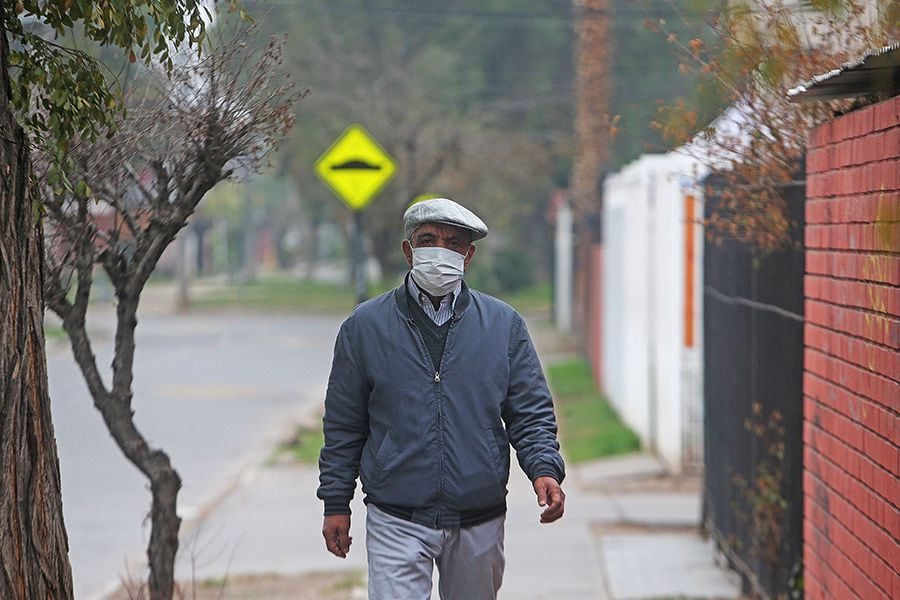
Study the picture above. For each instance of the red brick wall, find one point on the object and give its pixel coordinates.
(852, 365)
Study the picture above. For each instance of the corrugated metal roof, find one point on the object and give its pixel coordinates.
(876, 71)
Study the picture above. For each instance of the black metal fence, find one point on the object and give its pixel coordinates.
(753, 405)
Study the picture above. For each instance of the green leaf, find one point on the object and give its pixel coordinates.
(245, 16)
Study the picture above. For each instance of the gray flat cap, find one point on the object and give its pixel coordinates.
(442, 210)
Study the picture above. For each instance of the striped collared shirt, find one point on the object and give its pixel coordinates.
(444, 310)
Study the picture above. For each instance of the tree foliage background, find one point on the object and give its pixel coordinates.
(473, 100)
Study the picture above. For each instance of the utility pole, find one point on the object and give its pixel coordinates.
(593, 84)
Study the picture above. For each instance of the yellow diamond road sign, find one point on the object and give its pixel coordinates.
(355, 167)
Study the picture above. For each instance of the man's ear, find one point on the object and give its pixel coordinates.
(407, 252)
(469, 254)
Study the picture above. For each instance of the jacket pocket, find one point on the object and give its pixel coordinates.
(494, 452)
(386, 454)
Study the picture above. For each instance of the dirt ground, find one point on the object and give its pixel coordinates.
(332, 585)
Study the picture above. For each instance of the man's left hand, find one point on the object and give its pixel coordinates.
(549, 494)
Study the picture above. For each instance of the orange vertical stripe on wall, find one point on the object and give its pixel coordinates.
(689, 202)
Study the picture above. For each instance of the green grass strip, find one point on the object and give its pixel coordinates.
(304, 446)
(589, 426)
(531, 300)
(280, 294)
(285, 294)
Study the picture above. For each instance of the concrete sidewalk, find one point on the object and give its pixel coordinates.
(630, 532)
(650, 547)
(626, 535)
(272, 525)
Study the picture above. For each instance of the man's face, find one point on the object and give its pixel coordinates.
(441, 235)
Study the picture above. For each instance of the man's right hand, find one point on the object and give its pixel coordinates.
(336, 532)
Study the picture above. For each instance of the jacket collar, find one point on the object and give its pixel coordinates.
(401, 296)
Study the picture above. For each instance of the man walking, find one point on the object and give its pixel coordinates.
(429, 385)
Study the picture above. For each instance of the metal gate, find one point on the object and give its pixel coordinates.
(753, 403)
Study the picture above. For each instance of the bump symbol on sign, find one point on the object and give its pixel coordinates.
(355, 164)
(355, 167)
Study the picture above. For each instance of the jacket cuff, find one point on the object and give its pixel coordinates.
(337, 506)
(547, 471)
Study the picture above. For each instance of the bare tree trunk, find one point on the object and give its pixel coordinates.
(34, 549)
(115, 408)
(164, 486)
(163, 547)
(153, 462)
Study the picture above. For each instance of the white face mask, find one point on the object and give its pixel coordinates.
(437, 270)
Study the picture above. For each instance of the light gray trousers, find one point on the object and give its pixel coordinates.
(402, 555)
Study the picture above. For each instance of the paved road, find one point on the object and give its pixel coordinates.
(213, 390)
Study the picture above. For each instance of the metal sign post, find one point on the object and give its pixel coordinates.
(359, 259)
(356, 168)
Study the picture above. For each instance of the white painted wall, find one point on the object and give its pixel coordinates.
(651, 378)
(564, 243)
(625, 297)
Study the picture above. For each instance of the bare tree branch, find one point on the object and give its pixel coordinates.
(132, 193)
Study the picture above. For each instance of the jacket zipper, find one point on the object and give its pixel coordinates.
(440, 417)
(440, 408)
(440, 426)
(440, 404)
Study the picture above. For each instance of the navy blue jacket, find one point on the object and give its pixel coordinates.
(437, 442)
